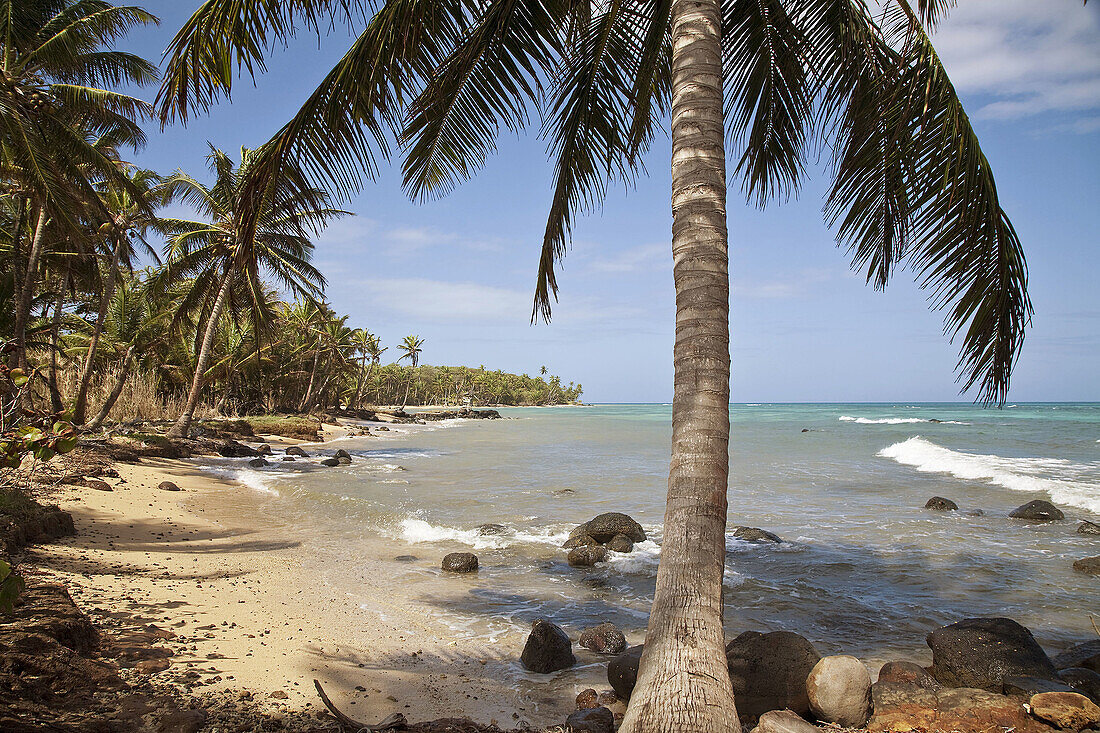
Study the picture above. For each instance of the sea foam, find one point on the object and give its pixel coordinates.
(895, 420)
(1066, 482)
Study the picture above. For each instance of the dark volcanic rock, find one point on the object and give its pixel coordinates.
(594, 720)
(605, 526)
(769, 672)
(548, 648)
(296, 451)
(603, 639)
(620, 543)
(1085, 655)
(1028, 686)
(1088, 565)
(98, 485)
(755, 534)
(460, 562)
(342, 456)
(587, 555)
(587, 699)
(1038, 511)
(939, 504)
(622, 671)
(579, 541)
(1087, 527)
(981, 652)
(784, 721)
(839, 691)
(491, 529)
(233, 449)
(907, 673)
(330, 462)
(263, 449)
(167, 486)
(1082, 680)
(258, 463)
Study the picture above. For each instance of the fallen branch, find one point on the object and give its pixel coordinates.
(394, 722)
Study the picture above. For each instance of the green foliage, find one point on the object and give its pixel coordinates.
(11, 585)
(288, 426)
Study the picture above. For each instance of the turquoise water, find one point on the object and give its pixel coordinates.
(863, 568)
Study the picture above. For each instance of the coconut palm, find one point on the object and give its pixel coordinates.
(773, 78)
(223, 260)
(410, 348)
(370, 349)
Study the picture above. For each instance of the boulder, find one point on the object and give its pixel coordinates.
(548, 648)
(622, 671)
(607, 698)
(894, 695)
(603, 639)
(587, 555)
(233, 449)
(1038, 511)
(460, 562)
(491, 529)
(839, 691)
(769, 672)
(263, 449)
(167, 486)
(981, 652)
(343, 456)
(621, 543)
(1088, 565)
(755, 534)
(587, 699)
(288, 458)
(296, 451)
(783, 721)
(330, 462)
(258, 463)
(959, 710)
(580, 540)
(907, 673)
(1087, 527)
(1085, 655)
(1082, 680)
(1068, 710)
(98, 485)
(605, 526)
(939, 504)
(1028, 686)
(595, 720)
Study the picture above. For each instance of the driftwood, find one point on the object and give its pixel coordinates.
(394, 722)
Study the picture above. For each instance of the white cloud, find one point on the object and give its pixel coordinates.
(635, 259)
(1030, 56)
(799, 284)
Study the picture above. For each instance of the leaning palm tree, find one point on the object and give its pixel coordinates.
(410, 346)
(223, 262)
(775, 79)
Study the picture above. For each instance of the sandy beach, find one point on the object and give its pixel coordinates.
(243, 594)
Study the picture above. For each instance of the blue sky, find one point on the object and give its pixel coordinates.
(459, 272)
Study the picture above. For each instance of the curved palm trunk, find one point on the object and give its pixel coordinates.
(123, 375)
(183, 424)
(683, 682)
(80, 404)
(26, 293)
(56, 403)
(304, 405)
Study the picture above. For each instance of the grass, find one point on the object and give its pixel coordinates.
(288, 426)
(14, 504)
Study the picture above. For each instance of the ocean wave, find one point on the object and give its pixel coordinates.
(251, 478)
(1066, 482)
(642, 560)
(896, 420)
(415, 530)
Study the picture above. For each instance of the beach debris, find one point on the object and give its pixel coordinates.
(755, 534)
(491, 529)
(909, 673)
(1088, 565)
(330, 462)
(1082, 680)
(548, 648)
(587, 699)
(622, 671)
(603, 639)
(1038, 510)
(783, 721)
(258, 463)
(839, 691)
(587, 555)
(296, 451)
(939, 504)
(1087, 527)
(342, 456)
(393, 722)
(1085, 655)
(1067, 710)
(592, 720)
(460, 562)
(604, 527)
(621, 543)
(167, 486)
(981, 652)
(769, 672)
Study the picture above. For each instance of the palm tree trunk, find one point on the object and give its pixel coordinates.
(359, 387)
(26, 292)
(183, 424)
(312, 378)
(123, 375)
(80, 404)
(683, 681)
(56, 403)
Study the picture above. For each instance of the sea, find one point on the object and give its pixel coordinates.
(862, 568)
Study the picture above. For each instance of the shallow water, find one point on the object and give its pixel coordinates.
(863, 568)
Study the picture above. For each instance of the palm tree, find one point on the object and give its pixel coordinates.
(911, 188)
(370, 349)
(223, 260)
(410, 348)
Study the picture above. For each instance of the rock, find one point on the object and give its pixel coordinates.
(182, 721)
(783, 721)
(607, 698)
(343, 456)
(587, 555)
(1038, 511)
(622, 671)
(167, 486)
(1088, 565)
(406, 558)
(152, 666)
(288, 458)
(460, 562)
(1028, 686)
(939, 504)
(755, 534)
(1065, 709)
(891, 695)
(596, 720)
(263, 449)
(603, 639)
(1085, 655)
(605, 526)
(620, 543)
(981, 652)
(839, 691)
(769, 672)
(233, 449)
(1087, 527)
(548, 648)
(579, 541)
(279, 695)
(296, 451)
(491, 529)
(907, 673)
(1082, 680)
(258, 463)
(330, 462)
(98, 485)
(587, 699)
(959, 710)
